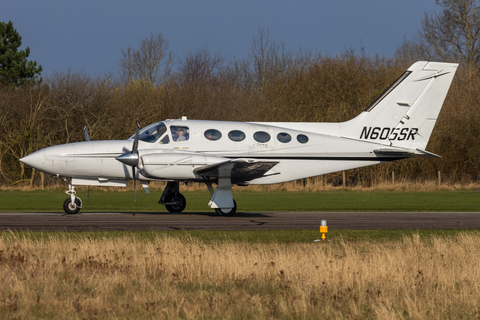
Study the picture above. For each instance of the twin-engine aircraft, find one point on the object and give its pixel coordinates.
(397, 125)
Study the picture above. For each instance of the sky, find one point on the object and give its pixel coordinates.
(88, 35)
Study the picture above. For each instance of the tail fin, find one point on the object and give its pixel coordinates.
(405, 114)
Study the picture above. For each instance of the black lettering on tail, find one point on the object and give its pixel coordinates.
(365, 132)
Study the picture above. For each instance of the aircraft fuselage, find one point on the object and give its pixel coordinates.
(300, 153)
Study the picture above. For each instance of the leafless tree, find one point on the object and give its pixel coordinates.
(264, 53)
(151, 62)
(453, 34)
(199, 65)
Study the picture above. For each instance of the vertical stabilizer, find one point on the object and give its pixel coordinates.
(405, 114)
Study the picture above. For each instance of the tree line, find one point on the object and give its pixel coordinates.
(273, 83)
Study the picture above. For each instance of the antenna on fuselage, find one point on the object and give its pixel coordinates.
(85, 132)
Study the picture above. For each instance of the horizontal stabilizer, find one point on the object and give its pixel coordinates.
(407, 153)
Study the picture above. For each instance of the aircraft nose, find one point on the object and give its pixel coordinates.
(35, 160)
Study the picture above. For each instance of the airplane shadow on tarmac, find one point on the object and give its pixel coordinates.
(205, 214)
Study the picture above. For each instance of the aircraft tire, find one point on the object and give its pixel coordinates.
(180, 206)
(230, 213)
(71, 208)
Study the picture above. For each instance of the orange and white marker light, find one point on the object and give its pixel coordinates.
(323, 229)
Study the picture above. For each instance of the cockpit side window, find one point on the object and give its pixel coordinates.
(180, 133)
(152, 132)
(165, 140)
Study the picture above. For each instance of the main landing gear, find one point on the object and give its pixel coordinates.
(174, 201)
(73, 204)
(227, 212)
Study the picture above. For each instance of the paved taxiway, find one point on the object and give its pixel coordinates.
(241, 221)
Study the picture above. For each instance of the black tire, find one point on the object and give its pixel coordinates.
(72, 208)
(179, 206)
(230, 213)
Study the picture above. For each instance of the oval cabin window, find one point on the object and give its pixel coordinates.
(212, 134)
(284, 137)
(236, 135)
(261, 136)
(302, 138)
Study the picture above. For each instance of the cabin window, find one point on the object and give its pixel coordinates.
(236, 135)
(179, 133)
(212, 134)
(284, 137)
(302, 138)
(151, 132)
(261, 136)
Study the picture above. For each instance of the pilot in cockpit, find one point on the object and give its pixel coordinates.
(181, 134)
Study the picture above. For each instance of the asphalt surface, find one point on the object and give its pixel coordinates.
(241, 221)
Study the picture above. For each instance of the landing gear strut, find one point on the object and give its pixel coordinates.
(222, 200)
(73, 204)
(171, 197)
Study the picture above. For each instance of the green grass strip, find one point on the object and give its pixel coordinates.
(248, 201)
(253, 236)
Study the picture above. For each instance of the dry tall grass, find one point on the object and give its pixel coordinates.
(415, 278)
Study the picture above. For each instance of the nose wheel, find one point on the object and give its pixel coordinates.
(72, 207)
(171, 197)
(175, 202)
(73, 204)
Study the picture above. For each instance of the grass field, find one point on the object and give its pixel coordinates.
(282, 274)
(243, 275)
(248, 201)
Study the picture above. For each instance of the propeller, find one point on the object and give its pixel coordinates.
(131, 158)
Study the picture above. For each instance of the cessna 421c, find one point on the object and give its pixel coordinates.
(397, 125)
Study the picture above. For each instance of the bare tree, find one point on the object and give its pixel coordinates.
(151, 62)
(264, 55)
(198, 66)
(452, 34)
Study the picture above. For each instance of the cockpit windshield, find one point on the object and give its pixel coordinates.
(152, 132)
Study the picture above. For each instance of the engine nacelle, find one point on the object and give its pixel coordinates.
(174, 165)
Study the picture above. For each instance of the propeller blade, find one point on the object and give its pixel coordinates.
(134, 187)
(135, 141)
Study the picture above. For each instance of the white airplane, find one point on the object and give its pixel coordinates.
(397, 125)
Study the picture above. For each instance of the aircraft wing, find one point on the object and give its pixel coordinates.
(242, 169)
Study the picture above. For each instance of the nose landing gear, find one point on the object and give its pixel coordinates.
(171, 197)
(73, 204)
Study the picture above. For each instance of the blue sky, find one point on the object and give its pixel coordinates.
(89, 35)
